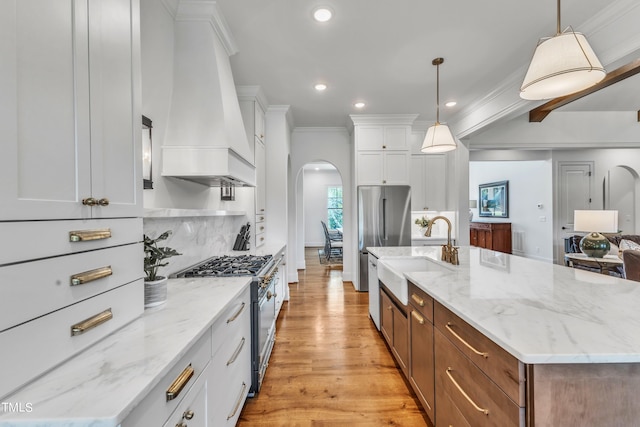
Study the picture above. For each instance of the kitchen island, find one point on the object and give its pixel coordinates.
(568, 338)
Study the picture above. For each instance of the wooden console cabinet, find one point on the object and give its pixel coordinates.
(491, 235)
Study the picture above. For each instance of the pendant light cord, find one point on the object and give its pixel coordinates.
(558, 30)
(437, 62)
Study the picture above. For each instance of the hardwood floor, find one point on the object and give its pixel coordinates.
(330, 366)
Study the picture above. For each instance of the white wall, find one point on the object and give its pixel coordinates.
(315, 203)
(530, 183)
(332, 145)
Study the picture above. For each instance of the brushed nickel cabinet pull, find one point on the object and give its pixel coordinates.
(178, 384)
(235, 316)
(91, 322)
(236, 353)
(466, 396)
(89, 201)
(103, 202)
(479, 353)
(87, 235)
(235, 409)
(416, 316)
(418, 300)
(91, 275)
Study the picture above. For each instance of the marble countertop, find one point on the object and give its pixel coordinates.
(537, 311)
(126, 365)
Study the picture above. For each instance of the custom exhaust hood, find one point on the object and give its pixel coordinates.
(205, 140)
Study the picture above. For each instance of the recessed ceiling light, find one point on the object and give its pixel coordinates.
(320, 87)
(451, 104)
(322, 14)
(359, 105)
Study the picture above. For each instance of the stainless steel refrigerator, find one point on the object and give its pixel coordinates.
(384, 219)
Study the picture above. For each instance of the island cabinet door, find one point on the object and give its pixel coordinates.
(386, 317)
(421, 365)
(401, 340)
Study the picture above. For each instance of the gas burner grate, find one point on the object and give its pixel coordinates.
(228, 266)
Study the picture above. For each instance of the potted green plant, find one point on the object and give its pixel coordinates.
(155, 286)
(423, 223)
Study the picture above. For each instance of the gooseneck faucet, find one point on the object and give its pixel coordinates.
(449, 252)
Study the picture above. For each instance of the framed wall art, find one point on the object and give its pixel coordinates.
(493, 199)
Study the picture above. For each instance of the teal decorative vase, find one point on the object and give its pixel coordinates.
(595, 245)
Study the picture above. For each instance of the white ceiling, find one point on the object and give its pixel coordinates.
(380, 52)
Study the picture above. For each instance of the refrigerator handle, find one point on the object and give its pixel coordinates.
(384, 219)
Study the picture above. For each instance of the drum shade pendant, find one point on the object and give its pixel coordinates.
(439, 138)
(561, 65)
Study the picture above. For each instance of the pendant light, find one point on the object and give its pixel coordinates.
(439, 138)
(561, 65)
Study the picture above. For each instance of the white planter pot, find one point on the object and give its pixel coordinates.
(155, 292)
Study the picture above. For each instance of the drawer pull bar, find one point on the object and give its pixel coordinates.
(178, 384)
(235, 409)
(477, 408)
(479, 353)
(416, 316)
(87, 235)
(91, 275)
(91, 322)
(235, 316)
(236, 353)
(418, 300)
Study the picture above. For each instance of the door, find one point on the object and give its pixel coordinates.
(574, 193)
(115, 119)
(45, 164)
(396, 215)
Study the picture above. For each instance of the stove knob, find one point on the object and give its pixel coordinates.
(269, 295)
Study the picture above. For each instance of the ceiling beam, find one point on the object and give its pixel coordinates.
(538, 114)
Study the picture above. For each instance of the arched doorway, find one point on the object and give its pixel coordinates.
(319, 190)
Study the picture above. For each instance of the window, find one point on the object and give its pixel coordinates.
(334, 207)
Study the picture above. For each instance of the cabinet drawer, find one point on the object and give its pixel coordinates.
(192, 411)
(422, 302)
(448, 414)
(155, 409)
(478, 399)
(480, 226)
(504, 369)
(40, 287)
(40, 344)
(235, 320)
(41, 239)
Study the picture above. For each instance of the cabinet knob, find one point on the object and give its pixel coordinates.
(188, 415)
(89, 201)
(384, 146)
(103, 202)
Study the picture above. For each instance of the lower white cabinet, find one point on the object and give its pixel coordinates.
(210, 383)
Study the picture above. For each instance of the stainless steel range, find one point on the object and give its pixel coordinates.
(264, 271)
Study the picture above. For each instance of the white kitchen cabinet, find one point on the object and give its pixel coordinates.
(428, 182)
(192, 411)
(383, 167)
(69, 115)
(261, 178)
(382, 137)
(374, 291)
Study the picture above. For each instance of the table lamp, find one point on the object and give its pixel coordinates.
(595, 222)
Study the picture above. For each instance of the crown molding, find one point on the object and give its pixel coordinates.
(252, 93)
(310, 129)
(282, 110)
(383, 119)
(203, 11)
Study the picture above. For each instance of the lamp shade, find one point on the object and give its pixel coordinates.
(438, 139)
(593, 220)
(561, 65)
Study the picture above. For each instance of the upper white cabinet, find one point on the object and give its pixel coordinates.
(428, 182)
(71, 128)
(382, 149)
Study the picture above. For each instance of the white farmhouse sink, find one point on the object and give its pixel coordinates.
(391, 272)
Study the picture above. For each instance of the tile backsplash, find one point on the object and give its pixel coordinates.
(196, 238)
(439, 228)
